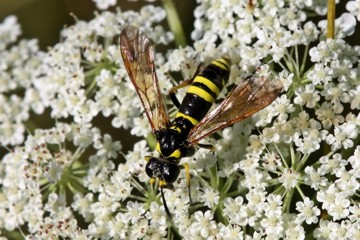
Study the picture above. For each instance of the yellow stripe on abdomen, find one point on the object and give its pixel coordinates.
(208, 83)
(191, 119)
(222, 63)
(201, 93)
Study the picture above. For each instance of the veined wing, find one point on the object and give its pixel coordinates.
(249, 97)
(138, 56)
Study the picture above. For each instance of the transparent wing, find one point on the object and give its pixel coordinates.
(249, 97)
(138, 56)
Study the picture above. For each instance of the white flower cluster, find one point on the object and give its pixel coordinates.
(19, 66)
(290, 169)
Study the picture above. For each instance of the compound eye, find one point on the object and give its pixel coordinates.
(170, 172)
(152, 167)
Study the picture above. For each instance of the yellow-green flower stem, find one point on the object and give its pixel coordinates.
(331, 19)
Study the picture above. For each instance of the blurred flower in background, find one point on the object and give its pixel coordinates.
(289, 172)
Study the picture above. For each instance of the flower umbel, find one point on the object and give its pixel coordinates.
(290, 171)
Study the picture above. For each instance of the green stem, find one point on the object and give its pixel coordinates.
(174, 22)
(302, 162)
(287, 200)
(304, 60)
(214, 179)
(303, 196)
(292, 157)
(141, 199)
(219, 213)
(226, 186)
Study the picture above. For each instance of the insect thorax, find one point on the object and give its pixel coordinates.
(171, 142)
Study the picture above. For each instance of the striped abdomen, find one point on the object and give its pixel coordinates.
(202, 93)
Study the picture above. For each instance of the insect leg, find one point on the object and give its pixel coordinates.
(182, 85)
(188, 178)
(206, 146)
(164, 202)
(173, 90)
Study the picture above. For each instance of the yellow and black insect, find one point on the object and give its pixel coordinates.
(177, 138)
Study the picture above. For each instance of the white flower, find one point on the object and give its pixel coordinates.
(94, 179)
(11, 133)
(210, 197)
(139, 230)
(254, 179)
(347, 180)
(320, 73)
(355, 95)
(82, 204)
(327, 196)
(314, 178)
(117, 227)
(329, 115)
(354, 8)
(119, 189)
(271, 161)
(307, 95)
(272, 224)
(203, 224)
(354, 213)
(54, 172)
(157, 216)
(311, 32)
(291, 19)
(339, 208)
(20, 63)
(9, 31)
(134, 212)
(310, 141)
(141, 127)
(308, 212)
(332, 165)
(270, 135)
(256, 199)
(293, 231)
(344, 25)
(231, 232)
(289, 178)
(104, 206)
(105, 25)
(104, 4)
(273, 204)
(236, 210)
(283, 106)
(286, 79)
(321, 53)
(343, 136)
(353, 161)
(108, 147)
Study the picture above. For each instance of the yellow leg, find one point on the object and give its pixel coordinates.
(152, 180)
(181, 85)
(188, 178)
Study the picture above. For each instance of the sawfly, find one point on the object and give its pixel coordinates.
(177, 138)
